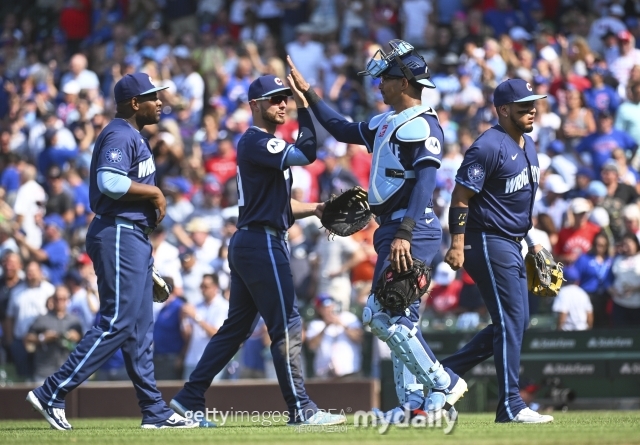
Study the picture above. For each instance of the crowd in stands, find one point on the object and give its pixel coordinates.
(60, 60)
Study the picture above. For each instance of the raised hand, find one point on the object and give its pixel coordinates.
(298, 80)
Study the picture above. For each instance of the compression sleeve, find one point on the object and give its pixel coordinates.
(422, 190)
(112, 184)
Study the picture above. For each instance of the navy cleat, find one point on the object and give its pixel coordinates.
(175, 421)
(187, 413)
(55, 416)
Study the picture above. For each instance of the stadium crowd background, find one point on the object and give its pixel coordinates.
(59, 60)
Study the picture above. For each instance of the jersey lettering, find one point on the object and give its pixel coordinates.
(146, 167)
(517, 182)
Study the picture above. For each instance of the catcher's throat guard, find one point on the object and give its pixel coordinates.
(396, 291)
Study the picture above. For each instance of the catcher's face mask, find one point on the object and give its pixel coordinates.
(415, 69)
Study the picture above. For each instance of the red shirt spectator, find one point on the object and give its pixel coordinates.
(575, 240)
(223, 165)
(75, 19)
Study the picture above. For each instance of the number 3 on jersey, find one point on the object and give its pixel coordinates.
(239, 184)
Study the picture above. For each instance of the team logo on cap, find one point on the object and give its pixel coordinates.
(476, 172)
(529, 87)
(114, 155)
(151, 81)
(278, 81)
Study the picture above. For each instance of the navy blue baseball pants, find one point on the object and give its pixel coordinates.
(261, 284)
(495, 263)
(121, 256)
(426, 242)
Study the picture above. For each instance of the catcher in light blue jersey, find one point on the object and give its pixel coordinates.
(406, 147)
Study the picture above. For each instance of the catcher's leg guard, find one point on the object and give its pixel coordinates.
(403, 342)
(410, 393)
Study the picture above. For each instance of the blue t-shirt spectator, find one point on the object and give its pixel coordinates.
(601, 145)
(594, 276)
(56, 264)
(166, 330)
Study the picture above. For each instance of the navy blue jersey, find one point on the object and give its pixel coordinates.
(505, 179)
(264, 181)
(122, 149)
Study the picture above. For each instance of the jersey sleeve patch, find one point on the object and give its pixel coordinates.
(475, 172)
(276, 145)
(113, 155)
(433, 145)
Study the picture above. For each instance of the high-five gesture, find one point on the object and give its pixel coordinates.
(298, 80)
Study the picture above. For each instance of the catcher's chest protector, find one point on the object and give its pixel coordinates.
(383, 185)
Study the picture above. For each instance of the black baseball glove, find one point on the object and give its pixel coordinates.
(396, 291)
(544, 275)
(161, 289)
(348, 213)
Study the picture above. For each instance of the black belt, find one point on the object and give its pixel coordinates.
(517, 239)
(120, 221)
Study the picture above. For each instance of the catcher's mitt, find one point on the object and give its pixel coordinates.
(544, 275)
(396, 291)
(348, 213)
(161, 289)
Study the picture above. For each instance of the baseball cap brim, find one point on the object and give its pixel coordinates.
(286, 90)
(152, 90)
(531, 98)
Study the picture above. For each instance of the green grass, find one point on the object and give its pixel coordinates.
(602, 427)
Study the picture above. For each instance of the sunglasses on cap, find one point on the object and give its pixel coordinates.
(274, 100)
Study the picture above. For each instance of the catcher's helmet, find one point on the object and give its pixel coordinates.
(402, 61)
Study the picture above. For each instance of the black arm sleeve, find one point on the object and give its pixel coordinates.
(306, 142)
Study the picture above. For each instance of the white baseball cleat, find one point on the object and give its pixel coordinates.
(175, 421)
(55, 416)
(527, 415)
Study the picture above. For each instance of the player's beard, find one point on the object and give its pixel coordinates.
(521, 126)
(272, 117)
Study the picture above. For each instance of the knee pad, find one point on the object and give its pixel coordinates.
(370, 308)
(381, 326)
(403, 342)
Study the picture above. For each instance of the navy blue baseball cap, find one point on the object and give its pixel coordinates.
(267, 86)
(132, 85)
(514, 90)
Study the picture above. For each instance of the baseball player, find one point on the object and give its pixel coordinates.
(261, 280)
(128, 205)
(490, 214)
(406, 147)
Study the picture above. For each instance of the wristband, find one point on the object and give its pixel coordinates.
(530, 239)
(458, 220)
(405, 230)
(311, 96)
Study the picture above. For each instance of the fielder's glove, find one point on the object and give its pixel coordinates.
(161, 289)
(348, 213)
(544, 275)
(396, 291)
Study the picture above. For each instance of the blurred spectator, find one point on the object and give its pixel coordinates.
(626, 116)
(335, 178)
(306, 53)
(169, 337)
(28, 301)
(29, 206)
(572, 305)
(223, 164)
(631, 219)
(562, 162)
(577, 119)
(84, 302)
(192, 273)
(59, 201)
(336, 338)
(625, 288)
(336, 257)
(253, 353)
(577, 237)
(593, 276)
(552, 203)
(444, 295)
(628, 58)
(598, 146)
(618, 195)
(83, 78)
(601, 96)
(10, 283)
(54, 254)
(53, 336)
(198, 238)
(179, 206)
(166, 257)
(202, 321)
